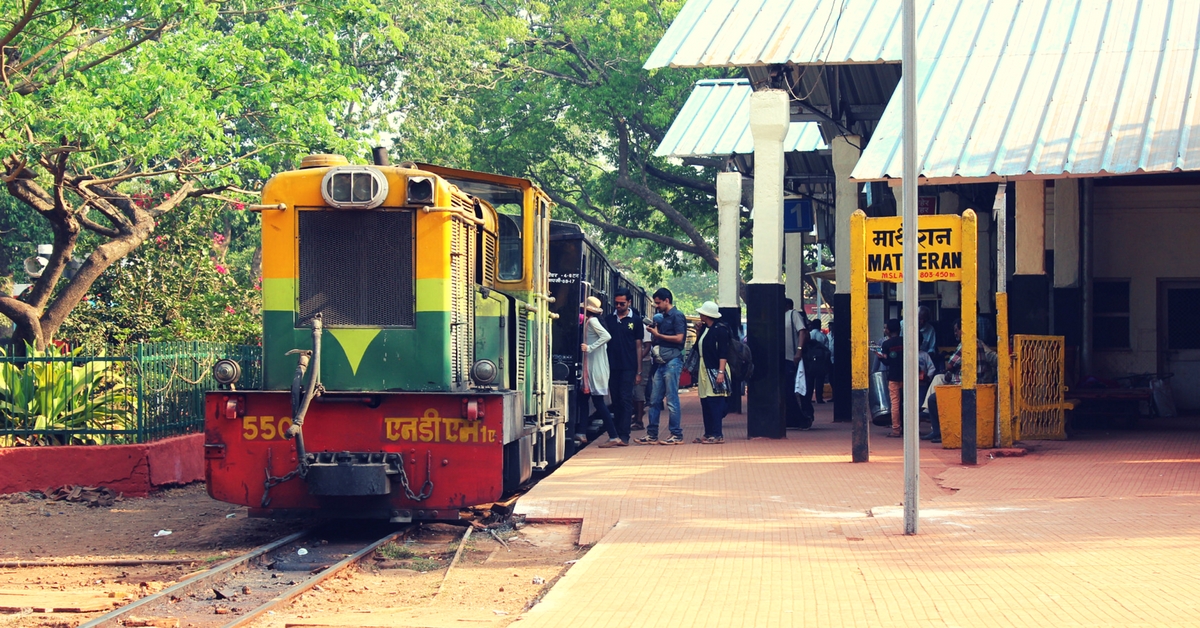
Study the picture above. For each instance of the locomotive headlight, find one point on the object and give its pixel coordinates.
(420, 191)
(226, 372)
(354, 187)
(484, 372)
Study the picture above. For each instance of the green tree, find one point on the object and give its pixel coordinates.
(174, 287)
(114, 113)
(571, 108)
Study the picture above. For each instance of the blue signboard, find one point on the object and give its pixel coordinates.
(797, 215)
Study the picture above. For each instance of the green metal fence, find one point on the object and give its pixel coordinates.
(156, 392)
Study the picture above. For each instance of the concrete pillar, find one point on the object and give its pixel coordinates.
(1031, 227)
(729, 207)
(985, 295)
(729, 203)
(845, 157)
(1066, 233)
(949, 203)
(769, 120)
(793, 256)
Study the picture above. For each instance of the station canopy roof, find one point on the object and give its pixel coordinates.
(1041, 88)
(715, 121)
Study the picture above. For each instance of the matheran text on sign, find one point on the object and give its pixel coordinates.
(939, 244)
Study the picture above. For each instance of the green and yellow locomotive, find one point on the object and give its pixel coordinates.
(406, 346)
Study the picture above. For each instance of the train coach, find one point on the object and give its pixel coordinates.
(407, 367)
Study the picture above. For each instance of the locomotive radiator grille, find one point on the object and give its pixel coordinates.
(357, 268)
(522, 347)
(462, 320)
(490, 247)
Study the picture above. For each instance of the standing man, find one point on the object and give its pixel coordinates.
(927, 338)
(816, 361)
(892, 353)
(624, 360)
(793, 344)
(668, 336)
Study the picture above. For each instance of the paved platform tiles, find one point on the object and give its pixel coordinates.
(1102, 530)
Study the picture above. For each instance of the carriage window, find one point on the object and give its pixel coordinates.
(511, 247)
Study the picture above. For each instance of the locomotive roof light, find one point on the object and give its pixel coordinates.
(484, 372)
(227, 372)
(354, 187)
(420, 191)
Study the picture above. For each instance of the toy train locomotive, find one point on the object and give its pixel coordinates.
(409, 315)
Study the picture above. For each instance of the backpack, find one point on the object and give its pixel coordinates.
(739, 360)
(816, 356)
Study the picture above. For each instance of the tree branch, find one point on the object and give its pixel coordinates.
(29, 86)
(653, 199)
(26, 318)
(676, 179)
(20, 24)
(618, 229)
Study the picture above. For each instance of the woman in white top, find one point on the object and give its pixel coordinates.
(595, 371)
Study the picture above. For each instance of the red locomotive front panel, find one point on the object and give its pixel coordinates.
(393, 454)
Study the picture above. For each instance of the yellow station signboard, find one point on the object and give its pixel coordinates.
(939, 244)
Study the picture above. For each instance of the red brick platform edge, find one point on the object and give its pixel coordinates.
(134, 470)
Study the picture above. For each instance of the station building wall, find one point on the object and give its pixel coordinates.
(1144, 234)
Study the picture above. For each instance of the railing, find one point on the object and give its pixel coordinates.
(156, 392)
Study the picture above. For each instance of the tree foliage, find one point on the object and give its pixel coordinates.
(174, 287)
(116, 112)
(571, 108)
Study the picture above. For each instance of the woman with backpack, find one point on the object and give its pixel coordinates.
(712, 347)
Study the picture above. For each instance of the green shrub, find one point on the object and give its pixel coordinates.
(64, 397)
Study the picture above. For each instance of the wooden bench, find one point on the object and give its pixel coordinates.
(1108, 403)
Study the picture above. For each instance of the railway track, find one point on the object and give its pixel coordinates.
(240, 590)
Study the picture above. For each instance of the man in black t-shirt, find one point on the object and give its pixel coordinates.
(892, 354)
(624, 360)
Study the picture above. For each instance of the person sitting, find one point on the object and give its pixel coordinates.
(985, 373)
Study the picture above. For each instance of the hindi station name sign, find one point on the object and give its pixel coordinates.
(939, 243)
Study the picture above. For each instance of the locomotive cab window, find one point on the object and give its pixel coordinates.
(511, 243)
(509, 202)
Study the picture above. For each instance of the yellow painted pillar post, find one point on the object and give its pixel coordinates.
(970, 288)
(1004, 374)
(860, 414)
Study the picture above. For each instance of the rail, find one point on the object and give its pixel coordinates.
(251, 568)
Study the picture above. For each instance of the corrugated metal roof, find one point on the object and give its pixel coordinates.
(1007, 87)
(715, 120)
(1053, 88)
(709, 33)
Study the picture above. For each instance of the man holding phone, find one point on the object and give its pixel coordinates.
(668, 337)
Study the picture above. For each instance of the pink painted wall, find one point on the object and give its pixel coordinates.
(134, 470)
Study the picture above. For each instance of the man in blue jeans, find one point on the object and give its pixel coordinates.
(668, 339)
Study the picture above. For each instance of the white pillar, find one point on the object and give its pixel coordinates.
(729, 204)
(845, 157)
(1066, 233)
(793, 246)
(769, 120)
(1031, 225)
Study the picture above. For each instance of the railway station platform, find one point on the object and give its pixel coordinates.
(1102, 530)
